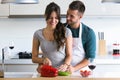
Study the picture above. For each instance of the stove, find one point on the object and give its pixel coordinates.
(25, 55)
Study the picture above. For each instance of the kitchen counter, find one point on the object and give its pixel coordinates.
(75, 76)
(60, 78)
(108, 59)
(18, 61)
(21, 65)
(99, 60)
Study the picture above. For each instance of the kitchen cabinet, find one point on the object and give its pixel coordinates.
(107, 64)
(25, 9)
(4, 10)
(107, 68)
(26, 65)
(93, 8)
(36, 9)
(20, 67)
(96, 8)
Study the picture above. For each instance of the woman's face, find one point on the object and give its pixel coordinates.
(53, 20)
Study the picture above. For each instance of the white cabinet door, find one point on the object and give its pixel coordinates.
(25, 9)
(93, 8)
(37, 9)
(97, 8)
(20, 67)
(107, 68)
(4, 10)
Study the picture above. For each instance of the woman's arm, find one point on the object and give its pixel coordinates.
(35, 51)
(68, 50)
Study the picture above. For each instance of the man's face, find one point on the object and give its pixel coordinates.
(73, 17)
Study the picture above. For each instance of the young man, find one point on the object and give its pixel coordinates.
(84, 39)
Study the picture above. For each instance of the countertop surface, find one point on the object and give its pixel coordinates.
(99, 60)
(18, 61)
(58, 78)
(75, 76)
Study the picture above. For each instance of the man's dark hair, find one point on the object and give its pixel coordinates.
(77, 5)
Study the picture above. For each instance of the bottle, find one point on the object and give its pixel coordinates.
(1, 74)
(116, 49)
(2, 68)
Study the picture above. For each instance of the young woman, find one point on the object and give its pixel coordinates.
(55, 41)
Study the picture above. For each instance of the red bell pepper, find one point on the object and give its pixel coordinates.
(48, 71)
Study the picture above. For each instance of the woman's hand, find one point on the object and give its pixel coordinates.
(38, 68)
(71, 69)
(63, 67)
(46, 61)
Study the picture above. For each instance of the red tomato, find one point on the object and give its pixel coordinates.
(85, 73)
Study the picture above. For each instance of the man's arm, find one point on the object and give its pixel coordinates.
(82, 64)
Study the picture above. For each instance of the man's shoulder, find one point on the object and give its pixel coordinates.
(87, 32)
(86, 28)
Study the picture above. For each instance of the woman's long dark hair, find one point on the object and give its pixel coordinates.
(59, 32)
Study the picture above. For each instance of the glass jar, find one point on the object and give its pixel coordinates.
(116, 49)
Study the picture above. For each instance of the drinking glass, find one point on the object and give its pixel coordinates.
(92, 64)
(11, 45)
